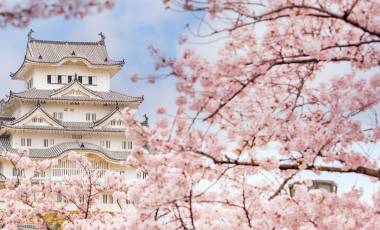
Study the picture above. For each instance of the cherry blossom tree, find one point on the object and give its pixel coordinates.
(266, 106)
(20, 13)
(247, 124)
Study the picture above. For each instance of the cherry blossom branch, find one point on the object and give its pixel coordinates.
(360, 170)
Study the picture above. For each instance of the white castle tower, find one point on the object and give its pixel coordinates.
(67, 106)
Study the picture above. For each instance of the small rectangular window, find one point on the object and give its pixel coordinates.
(80, 79)
(88, 117)
(127, 145)
(55, 115)
(90, 80)
(49, 79)
(29, 142)
(93, 117)
(46, 143)
(60, 116)
(18, 172)
(69, 78)
(77, 137)
(23, 143)
(59, 79)
(105, 199)
(108, 144)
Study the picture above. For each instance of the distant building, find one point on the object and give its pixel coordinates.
(67, 106)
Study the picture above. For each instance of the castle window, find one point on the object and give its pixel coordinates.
(46, 143)
(108, 144)
(90, 80)
(23, 142)
(127, 145)
(29, 84)
(49, 79)
(142, 175)
(40, 120)
(107, 199)
(80, 79)
(59, 79)
(29, 142)
(26, 142)
(116, 123)
(69, 78)
(88, 116)
(59, 198)
(93, 116)
(60, 116)
(77, 136)
(34, 120)
(18, 172)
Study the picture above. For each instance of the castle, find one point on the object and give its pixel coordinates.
(67, 105)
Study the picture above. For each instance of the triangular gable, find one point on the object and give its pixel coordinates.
(37, 117)
(75, 89)
(113, 120)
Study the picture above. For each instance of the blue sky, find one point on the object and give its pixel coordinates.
(130, 28)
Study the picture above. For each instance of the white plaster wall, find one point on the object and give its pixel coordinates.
(40, 73)
(94, 138)
(77, 113)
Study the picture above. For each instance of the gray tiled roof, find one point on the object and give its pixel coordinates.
(59, 149)
(44, 51)
(109, 96)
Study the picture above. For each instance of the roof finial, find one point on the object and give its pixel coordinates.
(30, 35)
(102, 38)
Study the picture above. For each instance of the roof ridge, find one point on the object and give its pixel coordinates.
(66, 42)
(100, 121)
(26, 115)
(75, 81)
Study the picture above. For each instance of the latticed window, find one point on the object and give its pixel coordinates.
(127, 145)
(141, 175)
(18, 172)
(108, 144)
(66, 167)
(107, 199)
